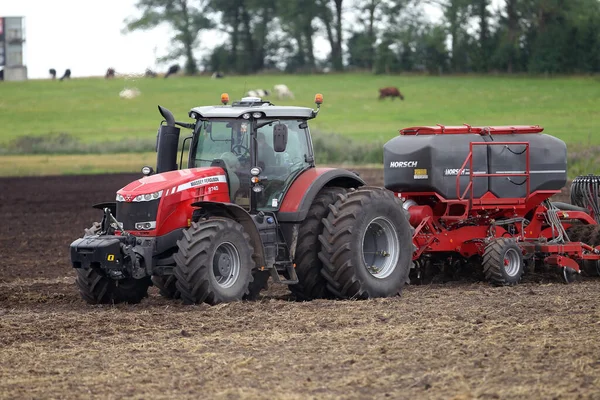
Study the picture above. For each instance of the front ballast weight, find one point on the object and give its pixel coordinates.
(110, 268)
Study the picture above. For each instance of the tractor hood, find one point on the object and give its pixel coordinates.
(155, 186)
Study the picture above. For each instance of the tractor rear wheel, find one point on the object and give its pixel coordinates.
(588, 234)
(366, 246)
(503, 262)
(214, 262)
(166, 286)
(96, 288)
(311, 284)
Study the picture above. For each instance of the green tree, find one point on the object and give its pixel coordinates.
(185, 19)
(247, 24)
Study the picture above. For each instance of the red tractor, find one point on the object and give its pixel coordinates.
(250, 204)
(481, 197)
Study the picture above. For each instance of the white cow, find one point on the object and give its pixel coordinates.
(129, 93)
(283, 92)
(258, 93)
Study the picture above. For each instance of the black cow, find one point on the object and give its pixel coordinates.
(67, 75)
(52, 73)
(173, 69)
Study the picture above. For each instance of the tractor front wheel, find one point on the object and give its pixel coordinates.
(366, 246)
(503, 262)
(166, 286)
(96, 288)
(214, 262)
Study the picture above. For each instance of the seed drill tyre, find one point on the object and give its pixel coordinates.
(503, 262)
(588, 234)
(214, 262)
(311, 284)
(96, 288)
(166, 286)
(366, 246)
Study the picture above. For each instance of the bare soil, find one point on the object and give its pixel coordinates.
(460, 340)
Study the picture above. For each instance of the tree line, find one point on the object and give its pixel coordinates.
(382, 36)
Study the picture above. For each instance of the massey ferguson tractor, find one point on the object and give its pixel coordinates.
(479, 199)
(248, 205)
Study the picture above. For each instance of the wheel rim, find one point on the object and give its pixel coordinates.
(512, 262)
(226, 265)
(380, 248)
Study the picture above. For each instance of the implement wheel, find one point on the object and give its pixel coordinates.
(588, 234)
(503, 262)
(366, 246)
(214, 262)
(311, 284)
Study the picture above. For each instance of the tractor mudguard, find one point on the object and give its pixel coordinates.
(301, 194)
(240, 215)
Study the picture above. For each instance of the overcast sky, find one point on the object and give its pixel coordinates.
(86, 37)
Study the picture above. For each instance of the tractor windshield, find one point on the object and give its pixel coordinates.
(232, 141)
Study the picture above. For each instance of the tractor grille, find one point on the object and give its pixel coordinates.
(130, 213)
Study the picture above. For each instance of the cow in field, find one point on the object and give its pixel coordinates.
(52, 73)
(390, 91)
(217, 75)
(258, 93)
(283, 92)
(110, 73)
(66, 75)
(173, 69)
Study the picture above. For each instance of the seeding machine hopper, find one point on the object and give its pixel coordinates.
(481, 196)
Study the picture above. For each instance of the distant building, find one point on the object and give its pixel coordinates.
(12, 39)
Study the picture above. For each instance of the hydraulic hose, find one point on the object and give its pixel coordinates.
(585, 191)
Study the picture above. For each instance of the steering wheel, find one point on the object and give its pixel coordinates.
(240, 149)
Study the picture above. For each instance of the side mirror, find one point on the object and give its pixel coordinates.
(280, 137)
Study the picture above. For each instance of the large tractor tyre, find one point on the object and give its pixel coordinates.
(588, 234)
(503, 262)
(166, 286)
(311, 284)
(96, 288)
(214, 262)
(366, 246)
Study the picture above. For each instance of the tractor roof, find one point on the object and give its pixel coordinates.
(252, 105)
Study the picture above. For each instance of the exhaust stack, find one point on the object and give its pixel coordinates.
(167, 142)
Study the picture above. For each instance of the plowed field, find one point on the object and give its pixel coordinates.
(458, 340)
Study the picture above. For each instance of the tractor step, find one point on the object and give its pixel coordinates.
(282, 269)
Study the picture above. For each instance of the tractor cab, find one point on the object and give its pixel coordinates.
(262, 148)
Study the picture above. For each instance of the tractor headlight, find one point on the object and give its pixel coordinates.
(257, 188)
(246, 116)
(120, 197)
(257, 115)
(145, 226)
(255, 171)
(148, 196)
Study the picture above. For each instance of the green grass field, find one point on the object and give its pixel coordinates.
(90, 109)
